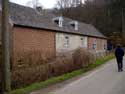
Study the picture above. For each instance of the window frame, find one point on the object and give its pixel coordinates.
(66, 41)
(94, 44)
(82, 41)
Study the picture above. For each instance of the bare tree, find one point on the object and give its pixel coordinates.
(62, 4)
(29, 4)
(34, 4)
(65, 6)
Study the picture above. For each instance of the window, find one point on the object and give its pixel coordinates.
(82, 42)
(105, 47)
(58, 21)
(94, 44)
(66, 42)
(74, 24)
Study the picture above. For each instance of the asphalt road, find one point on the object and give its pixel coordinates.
(104, 80)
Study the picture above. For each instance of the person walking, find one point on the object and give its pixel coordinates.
(119, 53)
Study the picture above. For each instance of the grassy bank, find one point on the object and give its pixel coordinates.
(61, 78)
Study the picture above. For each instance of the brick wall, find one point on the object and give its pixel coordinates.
(30, 40)
(99, 43)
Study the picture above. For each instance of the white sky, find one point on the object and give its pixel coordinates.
(45, 3)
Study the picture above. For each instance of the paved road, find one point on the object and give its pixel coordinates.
(105, 80)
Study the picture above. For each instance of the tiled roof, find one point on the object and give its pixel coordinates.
(26, 16)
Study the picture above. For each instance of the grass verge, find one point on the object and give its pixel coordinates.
(61, 78)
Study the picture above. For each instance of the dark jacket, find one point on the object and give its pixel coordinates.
(119, 52)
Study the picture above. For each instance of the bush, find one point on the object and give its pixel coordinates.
(61, 66)
(28, 59)
(32, 67)
(29, 67)
(82, 57)
(21, 78)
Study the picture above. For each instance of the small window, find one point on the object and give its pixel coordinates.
(94, 44)
(82, 42)
(56, 21)
(73, 25)
(66, 44)
(105, 47)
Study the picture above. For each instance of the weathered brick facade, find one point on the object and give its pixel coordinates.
(30, 40)
(100, 43)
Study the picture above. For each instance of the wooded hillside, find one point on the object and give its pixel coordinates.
(106, 15)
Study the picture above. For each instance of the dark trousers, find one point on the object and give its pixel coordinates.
(120, 63)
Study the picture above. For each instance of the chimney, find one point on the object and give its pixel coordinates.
(38, 6)
(39, 9)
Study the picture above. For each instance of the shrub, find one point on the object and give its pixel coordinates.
(21, 78)
(33, 67)
(82, 57)
(61, 65)
(27, 59)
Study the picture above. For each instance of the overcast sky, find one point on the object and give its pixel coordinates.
(45, 3)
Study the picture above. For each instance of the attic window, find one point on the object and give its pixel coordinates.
(74, 24)
(59, 21)
(56, 21)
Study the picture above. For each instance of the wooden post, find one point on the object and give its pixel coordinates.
(6, 82)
